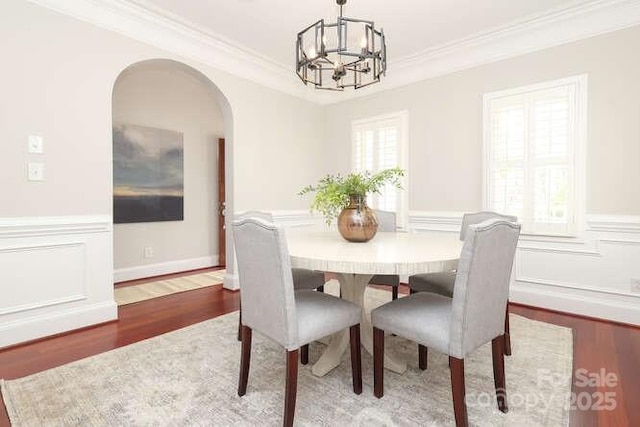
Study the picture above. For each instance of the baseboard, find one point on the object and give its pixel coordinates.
(579, 302)
(231, 281)
(44, 325)
(151, 270)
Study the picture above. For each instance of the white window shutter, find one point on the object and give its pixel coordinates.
(532, 143)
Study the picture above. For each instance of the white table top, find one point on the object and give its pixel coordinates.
(386, 253)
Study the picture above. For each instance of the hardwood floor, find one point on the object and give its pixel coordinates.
(597, 345)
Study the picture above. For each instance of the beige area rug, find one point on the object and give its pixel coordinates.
(130, 294)
(189, 378)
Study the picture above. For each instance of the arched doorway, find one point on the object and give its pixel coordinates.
(176, 102)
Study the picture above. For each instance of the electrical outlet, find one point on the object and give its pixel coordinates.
(635, 286)
(148, 252)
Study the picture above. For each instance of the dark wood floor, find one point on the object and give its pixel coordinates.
(597, 345)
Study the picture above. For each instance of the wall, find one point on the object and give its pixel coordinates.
(60, 85)
(445, 116)
(160, 94)
(593, 274)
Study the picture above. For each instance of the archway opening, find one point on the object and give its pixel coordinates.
(167, 118)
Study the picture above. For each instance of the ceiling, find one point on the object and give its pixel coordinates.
(413, 27)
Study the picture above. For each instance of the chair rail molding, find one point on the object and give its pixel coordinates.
(143, 22)
(60, 274)
(594, 274)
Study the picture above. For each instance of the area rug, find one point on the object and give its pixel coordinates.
(189, 378)
(136, 293)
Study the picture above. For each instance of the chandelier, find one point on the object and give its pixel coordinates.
(348, 53)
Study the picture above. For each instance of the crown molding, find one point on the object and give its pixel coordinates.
(173, 34)
(543, 31)
(169, 32)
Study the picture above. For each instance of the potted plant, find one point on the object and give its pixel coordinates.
(345, 197)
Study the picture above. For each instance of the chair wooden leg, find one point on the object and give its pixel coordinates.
(304, 354)
(422, 357)
(507, 333)
(291, 388)
(378, 362)
(356, 358)
(458, 389)
(245, 358)
(394, 293)
(240, 326)
(498, 373)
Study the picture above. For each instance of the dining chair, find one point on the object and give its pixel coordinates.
(387, 223)
(302, 277)
(442, 283)
(457, 326)
(272, 307)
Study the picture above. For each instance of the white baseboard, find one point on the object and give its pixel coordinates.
(57, 322)
(576, 301)
(151, 270)
(231, 281)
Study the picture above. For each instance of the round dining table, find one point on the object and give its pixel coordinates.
(355, 263)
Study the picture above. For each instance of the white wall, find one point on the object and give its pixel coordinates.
(591, 274)
(59, 85)
(160, 94)
(445, 117)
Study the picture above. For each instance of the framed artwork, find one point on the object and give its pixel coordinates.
(148, 174)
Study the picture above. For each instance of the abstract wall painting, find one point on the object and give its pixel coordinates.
(148, 174)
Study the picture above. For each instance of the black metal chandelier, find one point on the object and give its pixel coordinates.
(348, 53)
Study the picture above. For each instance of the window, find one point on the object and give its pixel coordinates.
(380, 143)
(534, 143)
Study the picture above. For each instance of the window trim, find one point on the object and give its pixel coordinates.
(579, 121)
(402, 216)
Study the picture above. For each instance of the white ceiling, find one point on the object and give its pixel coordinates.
(255, 39)
(412, 26)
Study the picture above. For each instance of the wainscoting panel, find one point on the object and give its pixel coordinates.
(62, 263)
(56, 275)
(595, 274)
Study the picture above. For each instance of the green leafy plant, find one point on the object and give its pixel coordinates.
(334, 191)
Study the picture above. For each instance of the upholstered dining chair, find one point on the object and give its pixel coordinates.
(459, 325)
(442, 283)
(387, 223)
(292, 318)
(302, 278)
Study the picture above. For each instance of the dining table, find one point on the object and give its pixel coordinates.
(355, 264)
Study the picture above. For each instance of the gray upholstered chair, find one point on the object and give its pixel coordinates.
(387, 223)
(442, 283)
(292, 318)
(302, 278)
(459, 325)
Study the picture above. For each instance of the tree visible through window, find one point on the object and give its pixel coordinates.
(533, 140)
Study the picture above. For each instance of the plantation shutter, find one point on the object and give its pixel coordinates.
(378, 145)
(531, 152)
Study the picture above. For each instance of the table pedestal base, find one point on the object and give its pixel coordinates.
(352, 287)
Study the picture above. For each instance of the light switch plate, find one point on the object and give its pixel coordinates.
(35, 171)
(36, 144)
